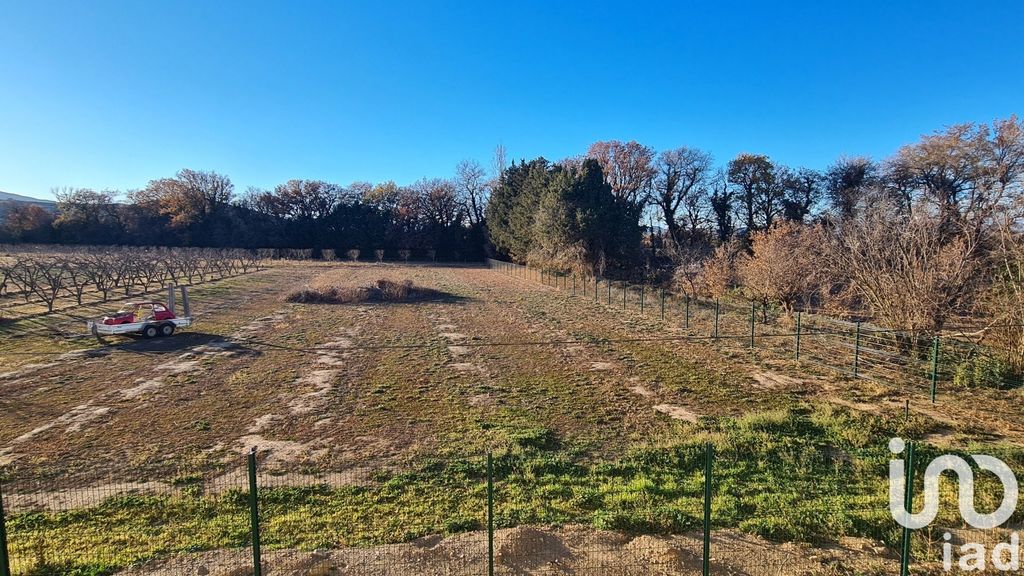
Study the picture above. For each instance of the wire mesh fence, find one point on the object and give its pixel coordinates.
(699, 508)
(926, 365)
(116, 523)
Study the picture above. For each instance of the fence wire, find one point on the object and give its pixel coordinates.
(515, 512)
(926, 365)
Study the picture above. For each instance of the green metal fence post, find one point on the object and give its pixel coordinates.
(623, 294)
(574, 284)
(797, 335)
(908, 500)
(254, 515)
(642, 290)
(753, 312)
(709, 455)
(662, 303)
(609, 282)
(490, 515)
(596, 281)
(856, 353)
(935, 366)
(5, 560)
(718, 306)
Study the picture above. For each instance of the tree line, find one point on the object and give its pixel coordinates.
(925, 239)
(442, 216)
(916, 241)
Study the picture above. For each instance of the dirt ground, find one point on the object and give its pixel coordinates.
(337, 386)
(344, 386)
(531, 550)
(354, 388)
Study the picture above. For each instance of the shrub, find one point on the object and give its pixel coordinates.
(394, 291)
(328, 254)
(383, 291)
(353, 254)
(379, 255)
(986, 372)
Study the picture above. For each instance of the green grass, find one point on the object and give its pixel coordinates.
(787, 475)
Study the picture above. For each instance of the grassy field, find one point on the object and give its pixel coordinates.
(595, 419)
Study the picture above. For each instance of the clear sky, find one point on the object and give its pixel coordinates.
(107, 94)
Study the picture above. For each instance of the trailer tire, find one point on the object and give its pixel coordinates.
(167, 329)
(150, 331)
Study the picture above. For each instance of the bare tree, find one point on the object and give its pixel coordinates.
(681, 176)
(628, 168)
(759, 189)
(439, 202)
(900, 269)
(499, 162)
(847, 180)
(473, 188)
(688, 261)
(50, 281)
(967, 172)
(1003, 301)
(77, 277)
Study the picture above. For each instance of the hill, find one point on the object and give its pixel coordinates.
(8, 199)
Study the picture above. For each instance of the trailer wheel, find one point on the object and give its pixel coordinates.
(150, 331)
(166, 329)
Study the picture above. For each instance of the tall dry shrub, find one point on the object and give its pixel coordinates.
(905, 270)
(718, 274)
(783, 265)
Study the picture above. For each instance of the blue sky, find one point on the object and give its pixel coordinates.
(112, 94)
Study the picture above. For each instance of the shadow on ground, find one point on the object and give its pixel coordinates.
(180, 342)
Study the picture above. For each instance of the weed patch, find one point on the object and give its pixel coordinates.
(383, 291)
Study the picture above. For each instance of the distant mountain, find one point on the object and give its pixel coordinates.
(7, 200)
(8, 197)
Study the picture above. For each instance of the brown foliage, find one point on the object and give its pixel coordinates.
(627, 167)
(383, 291)
(783, 265)
(188, 198)
(718, 274)
(1004, 301)
(901, 269)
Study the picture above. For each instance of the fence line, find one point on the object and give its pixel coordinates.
(259, 521)
(855, 349)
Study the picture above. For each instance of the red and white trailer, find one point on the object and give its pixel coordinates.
(145, 318)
